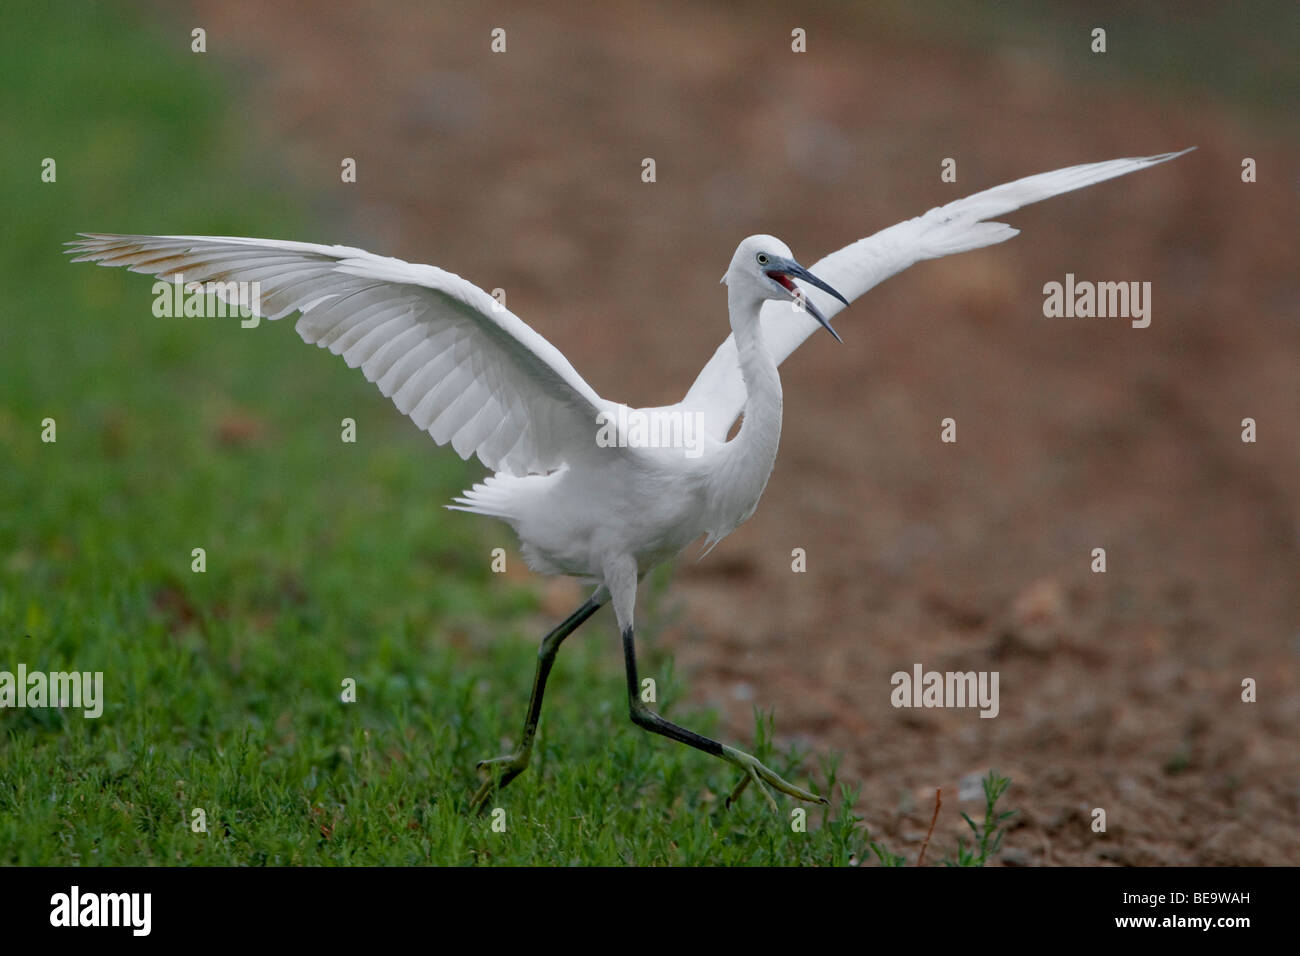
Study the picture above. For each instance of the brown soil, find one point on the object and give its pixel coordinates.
(1118, 690)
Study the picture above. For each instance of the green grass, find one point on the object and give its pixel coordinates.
(324, 560)
(987, 834)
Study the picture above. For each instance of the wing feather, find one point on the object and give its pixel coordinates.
(464, 369)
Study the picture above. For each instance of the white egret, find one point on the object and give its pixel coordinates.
(584, 498)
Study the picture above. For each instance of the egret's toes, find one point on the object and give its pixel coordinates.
(740, 788)
(505, 758)
(513, 765)
(479, 800)
(762, 774)
(758, 782)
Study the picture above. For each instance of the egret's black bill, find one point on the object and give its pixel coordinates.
(783, 270)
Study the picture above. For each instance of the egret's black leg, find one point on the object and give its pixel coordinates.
(513, 764)
(647, 719)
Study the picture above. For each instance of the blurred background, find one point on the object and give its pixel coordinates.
(522, 170)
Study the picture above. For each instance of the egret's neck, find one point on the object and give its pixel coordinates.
(752, 453)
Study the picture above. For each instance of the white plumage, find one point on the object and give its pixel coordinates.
(475, 376)
(465, 372)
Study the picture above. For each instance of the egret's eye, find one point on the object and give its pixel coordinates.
(762, 258)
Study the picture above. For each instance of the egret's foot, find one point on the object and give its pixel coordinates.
(763, 776)
(512, 765)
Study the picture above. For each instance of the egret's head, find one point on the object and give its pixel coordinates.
(764, 267)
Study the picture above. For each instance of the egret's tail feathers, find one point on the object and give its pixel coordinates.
(488, 497)
(709, 544)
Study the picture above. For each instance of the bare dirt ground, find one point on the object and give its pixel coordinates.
(1118, 690)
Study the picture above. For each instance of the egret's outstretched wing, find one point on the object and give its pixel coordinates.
(448, 355)
(719, 392)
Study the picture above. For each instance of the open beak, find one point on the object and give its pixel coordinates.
(784, 270)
